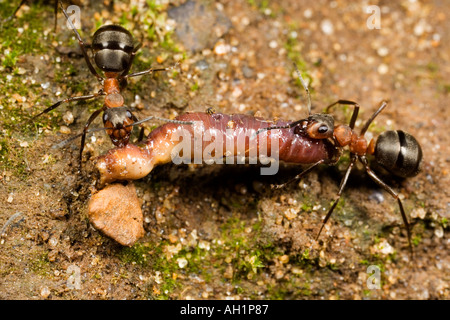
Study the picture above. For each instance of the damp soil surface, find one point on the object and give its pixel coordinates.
(221, 231)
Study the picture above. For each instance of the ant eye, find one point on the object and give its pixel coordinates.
(128, 114)
(105, 117)
(323, 129)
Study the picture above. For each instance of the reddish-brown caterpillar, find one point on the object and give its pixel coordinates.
(294, 145)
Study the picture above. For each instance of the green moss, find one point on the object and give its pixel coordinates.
(195, 87)
(12, 158)
(289, 289)
(40, 265)
(263, 6)
(416, 239)
(293, 49)
(240, 245)
(17, 41)
(307, 203)
(155, 17)
(136, 254)
(444, 222)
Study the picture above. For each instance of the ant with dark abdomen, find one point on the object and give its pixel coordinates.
(114, 50)
(396, 151)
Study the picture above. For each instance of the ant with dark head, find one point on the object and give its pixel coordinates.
(396, 151)
(114, 50)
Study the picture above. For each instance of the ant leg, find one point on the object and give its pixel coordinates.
(393, 194)
(341, 189)
(82, 44)
(85, 131)
(347, 102)
(57, 104)
(301, 174)
(366, 126)
(56, 15)
(151, 70)
(136, 122)
(141, 132)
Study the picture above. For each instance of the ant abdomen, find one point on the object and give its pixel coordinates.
(113, 46)
(399, 153)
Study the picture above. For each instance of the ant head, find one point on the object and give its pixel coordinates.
(119, 123)
(320, 126)
(113, 46)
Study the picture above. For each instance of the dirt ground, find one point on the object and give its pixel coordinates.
(220, 231)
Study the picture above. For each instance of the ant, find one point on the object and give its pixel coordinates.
(114, 51)
(396, 151)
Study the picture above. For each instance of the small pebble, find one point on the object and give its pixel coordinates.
(418, 212)
(439, 232)
(221, 49)
(327, 27)
(68, 118)
(173, 238)
(377, 196)
(290, 213)
(284, 259)
(65, 130)
(279, 274)
(383, 69)
(45, 292)
(384, 247)
(273, 44)
(419, 29)
(17, 97)
(228, 274)
(383, 51)
(182, 262)
(307, 13)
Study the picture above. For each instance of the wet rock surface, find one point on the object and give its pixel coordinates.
(221, 232)
(199, 24)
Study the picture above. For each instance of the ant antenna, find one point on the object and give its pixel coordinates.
(293, 124)
(305, 86)
(366, 126)
(65, 142)
(162, 119)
